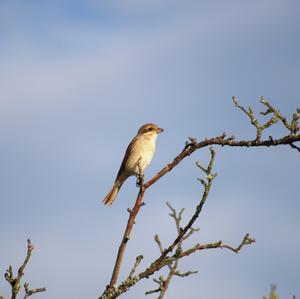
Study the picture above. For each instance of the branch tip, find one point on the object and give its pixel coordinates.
(138, 260)
(15, 282)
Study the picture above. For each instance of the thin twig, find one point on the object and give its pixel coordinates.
(15, 281)
(137, 262)
(252, 117)
(276, 113)
(153, 291)
(173, 267)
(29, 292)
(246, 241)
(161, 249)
(184, 274)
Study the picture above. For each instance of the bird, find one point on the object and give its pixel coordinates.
(137, 157)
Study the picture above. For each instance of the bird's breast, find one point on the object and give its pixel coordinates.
(142, 151)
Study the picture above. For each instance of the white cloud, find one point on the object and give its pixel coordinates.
(92, 62)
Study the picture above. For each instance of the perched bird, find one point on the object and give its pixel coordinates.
(138, 155)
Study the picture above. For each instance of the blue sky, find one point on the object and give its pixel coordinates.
(77, 80)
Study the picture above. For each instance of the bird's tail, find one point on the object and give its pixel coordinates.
(111, 196)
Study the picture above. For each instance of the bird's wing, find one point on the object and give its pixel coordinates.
(127, 154)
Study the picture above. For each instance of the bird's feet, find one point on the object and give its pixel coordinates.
(140, 180)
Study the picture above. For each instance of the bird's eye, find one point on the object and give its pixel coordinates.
(150, 129)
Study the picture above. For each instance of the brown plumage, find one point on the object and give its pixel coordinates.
(138, 155)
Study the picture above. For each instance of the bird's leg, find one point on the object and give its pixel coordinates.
(140, 175)
(140, 180)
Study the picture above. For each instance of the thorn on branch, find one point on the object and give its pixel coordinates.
(191, 142)
(223, 135)
(295, 147)
(186, 145)
(231, 138)
(153, 291)
(202, 182)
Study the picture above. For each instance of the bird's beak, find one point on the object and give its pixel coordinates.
(160, 130)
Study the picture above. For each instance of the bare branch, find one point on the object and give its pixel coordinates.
(173, 267)
(15, 282)
(164, 283)
(190, 146)
(183, 231)
(252, 117)
(286, 140)
(246, 241)
(276, 112)
(29, 292)
(161, 249)
(131, 221)
(177, 218)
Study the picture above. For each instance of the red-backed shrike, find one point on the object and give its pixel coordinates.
(138, 155)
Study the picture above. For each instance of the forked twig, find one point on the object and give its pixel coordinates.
(15, 282)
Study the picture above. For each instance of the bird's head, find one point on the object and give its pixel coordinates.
(149, 129)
